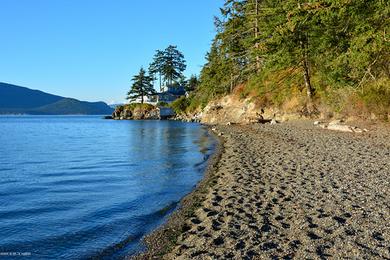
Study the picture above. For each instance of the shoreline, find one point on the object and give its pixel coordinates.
(284, 191)
(163, 239)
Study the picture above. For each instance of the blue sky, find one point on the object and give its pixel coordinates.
(89, 49)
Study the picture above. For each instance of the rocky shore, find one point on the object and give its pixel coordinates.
(141, 112)
(286, 191)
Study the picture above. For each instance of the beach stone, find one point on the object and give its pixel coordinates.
(341, 128)
(291, 189)
(357, 130)
(219, 241)
(335, 122)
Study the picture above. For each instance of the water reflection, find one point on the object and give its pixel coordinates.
(96, 186)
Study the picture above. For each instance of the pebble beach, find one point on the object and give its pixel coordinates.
(286, 191)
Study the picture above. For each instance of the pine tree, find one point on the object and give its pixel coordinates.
(156, 67)
(192, 83)
(308, 46)
(173, 64)
(142, 86)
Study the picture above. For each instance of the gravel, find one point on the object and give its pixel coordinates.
(292, 190)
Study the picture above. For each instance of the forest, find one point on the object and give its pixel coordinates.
(311, 57)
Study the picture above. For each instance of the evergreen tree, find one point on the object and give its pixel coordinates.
(289, 37)
(192, 83)
(289, 45)
(142, 86)
(173, 64)
(156, 67)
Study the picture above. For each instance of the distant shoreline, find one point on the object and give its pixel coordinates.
(102, 115)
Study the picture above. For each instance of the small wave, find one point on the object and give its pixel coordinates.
(160, 212)
(80, 182)
(33, 212)
(32, 163)
(24, 191)
(109, 251)
(123, 244)
(165, 210)
(6, 169)
(90, 167)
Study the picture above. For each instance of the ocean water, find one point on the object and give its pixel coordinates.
(80, 187)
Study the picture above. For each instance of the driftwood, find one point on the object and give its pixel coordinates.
(338, 125)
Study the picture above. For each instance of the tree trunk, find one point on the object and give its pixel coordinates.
(305, 63)
(160, 82)
(257, 34)
(306, 74)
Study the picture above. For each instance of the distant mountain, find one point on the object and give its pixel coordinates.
(21, 100)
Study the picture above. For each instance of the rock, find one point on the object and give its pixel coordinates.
(373, 116)
(216, 108)
(152, 115)
(336, 125)
(116, 114)
(127, 113)
(260, 116)
(341, 128)
(263, 121)
(165, 113)
(336, 122)
(357, 130)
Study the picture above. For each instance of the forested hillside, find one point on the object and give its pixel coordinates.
(20, 100)
(321, 56)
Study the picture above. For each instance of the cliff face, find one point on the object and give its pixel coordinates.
(232, 109)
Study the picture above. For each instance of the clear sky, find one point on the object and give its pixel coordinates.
(89, 49)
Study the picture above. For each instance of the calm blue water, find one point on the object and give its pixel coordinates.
(79, 187)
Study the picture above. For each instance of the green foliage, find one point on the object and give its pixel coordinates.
(169, 64)
(280, 48)
(180, 105)
(174, 64)
(142, 86)
(134, 106)
(192, 83)
(162, 104)
(377, 98)
(156, 66)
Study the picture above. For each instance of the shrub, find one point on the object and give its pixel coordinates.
(376, 96)
(162, 104)
(133, 106)
(180, 105)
